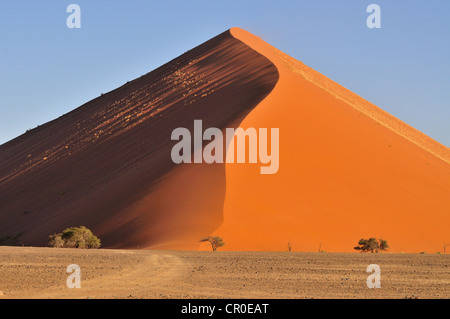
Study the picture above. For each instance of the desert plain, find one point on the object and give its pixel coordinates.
(40, 273)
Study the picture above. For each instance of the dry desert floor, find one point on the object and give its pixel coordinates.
(41, 273)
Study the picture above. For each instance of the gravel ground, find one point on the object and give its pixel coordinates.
(41, 273)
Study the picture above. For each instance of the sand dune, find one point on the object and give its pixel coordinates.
(105, 164)
(347, 168)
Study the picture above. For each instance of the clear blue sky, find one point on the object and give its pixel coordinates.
(47, 69)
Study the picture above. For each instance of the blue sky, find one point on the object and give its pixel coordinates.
(47, 69)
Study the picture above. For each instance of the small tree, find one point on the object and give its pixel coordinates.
(372, 245)
(75, 237)
(215, 241)
(366, 245)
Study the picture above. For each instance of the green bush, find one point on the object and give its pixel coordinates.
(75, 237)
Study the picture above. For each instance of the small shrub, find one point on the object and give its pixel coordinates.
(372, 245)
(75, 237)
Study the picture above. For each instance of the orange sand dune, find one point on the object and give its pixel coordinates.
(347, 169)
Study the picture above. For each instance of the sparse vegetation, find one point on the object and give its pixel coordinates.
(215, 242)
(372, 245)
(75, 237)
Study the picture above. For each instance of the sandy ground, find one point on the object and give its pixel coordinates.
(41, 273)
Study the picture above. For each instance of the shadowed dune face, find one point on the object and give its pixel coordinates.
(107, 164)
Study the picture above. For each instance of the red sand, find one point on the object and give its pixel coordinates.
(347, 169)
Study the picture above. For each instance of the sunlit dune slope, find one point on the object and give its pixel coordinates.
(107, 164)
(348, 170)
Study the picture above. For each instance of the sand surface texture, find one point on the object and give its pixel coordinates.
(41, 273)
